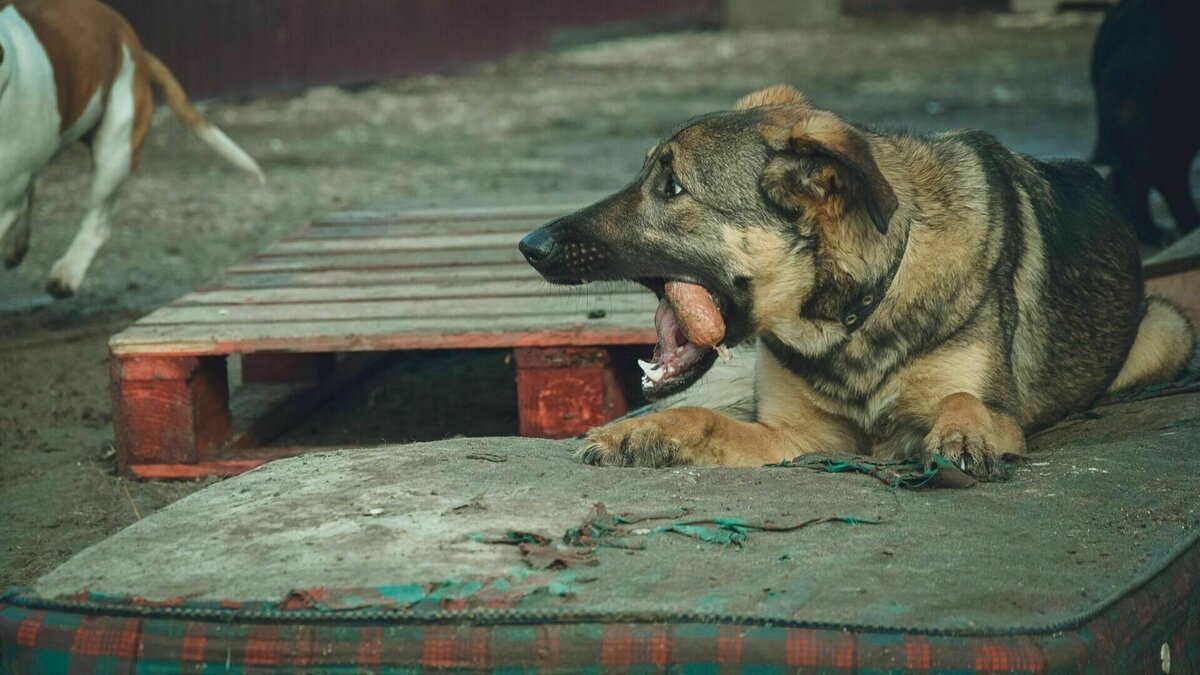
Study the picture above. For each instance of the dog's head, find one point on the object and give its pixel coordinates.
(738, 202)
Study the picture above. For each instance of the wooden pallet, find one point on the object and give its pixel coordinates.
(311, 312)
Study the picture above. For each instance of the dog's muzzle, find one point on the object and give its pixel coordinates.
(562, 256)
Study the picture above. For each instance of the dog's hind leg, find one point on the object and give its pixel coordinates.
(112, 159)
(1132, 191)
(15, 243)
(15, 226)
(1173, 184)
(1161, 350)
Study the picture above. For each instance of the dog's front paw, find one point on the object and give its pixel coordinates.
(63, 282)
(14, 253)
(640, 441)
(969, 448)
(973, 438)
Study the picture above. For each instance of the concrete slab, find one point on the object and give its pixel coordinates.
(1107, 500)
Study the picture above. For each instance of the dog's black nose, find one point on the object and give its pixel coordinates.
(538, 245)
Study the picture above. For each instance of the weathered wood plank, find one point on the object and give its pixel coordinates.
(364, 311)
(438, 242)
(399, 260)
(242, 462)
(447, 291)
(448, 276)
(386, 228)
(461, 214)
(389, 334)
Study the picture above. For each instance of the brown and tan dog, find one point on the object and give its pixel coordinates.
(73, 70)
(910, 296)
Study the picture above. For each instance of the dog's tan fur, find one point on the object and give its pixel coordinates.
(911, 296)
(63, 29)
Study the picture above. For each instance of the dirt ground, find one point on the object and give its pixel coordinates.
(528, 128)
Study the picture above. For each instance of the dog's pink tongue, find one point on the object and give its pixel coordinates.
(667, 325)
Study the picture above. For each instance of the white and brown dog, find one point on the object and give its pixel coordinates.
(73, 70)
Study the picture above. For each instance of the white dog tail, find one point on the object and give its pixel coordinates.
(162, 78)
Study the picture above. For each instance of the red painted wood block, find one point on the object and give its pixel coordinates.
(564, 391)
(168, 409)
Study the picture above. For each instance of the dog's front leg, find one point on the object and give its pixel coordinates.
(114, 149)
(973, 436)
(697, 436)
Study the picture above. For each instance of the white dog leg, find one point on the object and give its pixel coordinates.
(112, 155)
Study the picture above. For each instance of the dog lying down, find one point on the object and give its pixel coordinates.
(907, 296)
(73, 70)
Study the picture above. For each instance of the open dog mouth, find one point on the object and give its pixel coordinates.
(691, 319)
(677, 361)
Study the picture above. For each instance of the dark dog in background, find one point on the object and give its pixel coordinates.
(1144, 70)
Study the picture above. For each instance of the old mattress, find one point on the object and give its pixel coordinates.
(493, 554)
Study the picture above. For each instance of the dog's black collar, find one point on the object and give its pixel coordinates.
(863, 305)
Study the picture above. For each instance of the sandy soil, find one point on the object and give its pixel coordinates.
(524, 129)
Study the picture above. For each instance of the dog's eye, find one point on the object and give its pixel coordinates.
(671, 188)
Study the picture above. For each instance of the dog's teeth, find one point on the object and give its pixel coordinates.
(646, 383)
(723, 351)
(653, 371)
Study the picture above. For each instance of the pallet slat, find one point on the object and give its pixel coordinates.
(398, 260)
(446, 276)
(499, 290)
(440, 242)
(384, 335)
(390, 229)
(435, 308)
(468, 214)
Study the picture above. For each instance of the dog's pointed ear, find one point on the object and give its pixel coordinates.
(776, 94)
(824, 166)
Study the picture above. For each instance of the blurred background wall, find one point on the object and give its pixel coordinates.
(239, 47)
(233, 47)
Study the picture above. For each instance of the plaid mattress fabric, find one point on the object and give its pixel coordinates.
(312, 632)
